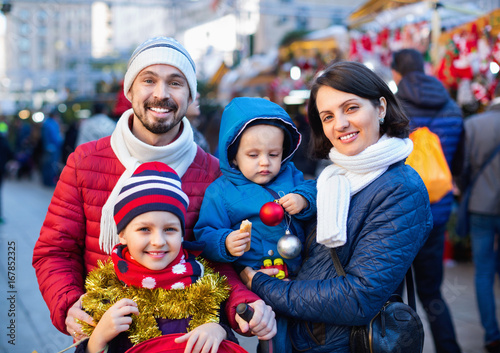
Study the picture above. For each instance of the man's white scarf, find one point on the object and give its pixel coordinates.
(132, 152)
(347, 176)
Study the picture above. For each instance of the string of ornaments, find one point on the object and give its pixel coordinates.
(272, 214)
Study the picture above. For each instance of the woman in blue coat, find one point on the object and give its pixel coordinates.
(373, 210)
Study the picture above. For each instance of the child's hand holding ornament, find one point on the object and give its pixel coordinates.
(293, 203)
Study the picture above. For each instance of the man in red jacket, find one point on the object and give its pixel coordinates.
(79, 230)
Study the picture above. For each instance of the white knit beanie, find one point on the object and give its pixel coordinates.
(161, 50)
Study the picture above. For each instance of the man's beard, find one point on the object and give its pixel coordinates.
(161, 127)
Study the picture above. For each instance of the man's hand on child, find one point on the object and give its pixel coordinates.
(203, 339)
(236, 242)
(76, 312)
(263, 323)
(293, 203)
(115, 320)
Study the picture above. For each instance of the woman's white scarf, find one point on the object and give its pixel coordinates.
(347, 176)
(132, 152)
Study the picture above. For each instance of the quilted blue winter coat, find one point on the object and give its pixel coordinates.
(388, 223)
(233, 198)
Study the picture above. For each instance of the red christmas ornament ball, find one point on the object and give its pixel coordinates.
(271, 214)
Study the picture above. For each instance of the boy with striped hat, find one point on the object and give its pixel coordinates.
(154, 284)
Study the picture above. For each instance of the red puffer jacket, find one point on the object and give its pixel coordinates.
(68, 246)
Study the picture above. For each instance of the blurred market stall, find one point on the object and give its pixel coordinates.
(460, 41)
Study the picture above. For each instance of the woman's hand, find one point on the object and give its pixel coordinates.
(115, 320)
(76, 312)
(236, 242)
(247, 274)
(203, 339)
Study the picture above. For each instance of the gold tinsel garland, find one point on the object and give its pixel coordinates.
(201, 301)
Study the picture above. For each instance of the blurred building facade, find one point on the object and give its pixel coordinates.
(47, 48)
(50, 48)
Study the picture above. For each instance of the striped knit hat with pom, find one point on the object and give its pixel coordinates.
(154, 186)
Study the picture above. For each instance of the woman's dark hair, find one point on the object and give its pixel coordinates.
(355, 78)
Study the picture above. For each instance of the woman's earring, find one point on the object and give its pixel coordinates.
(381, 120)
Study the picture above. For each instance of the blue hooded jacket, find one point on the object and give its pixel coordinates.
(233, 198)
(427, 103)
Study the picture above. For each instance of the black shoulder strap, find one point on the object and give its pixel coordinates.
(410, 287)
(336, 263)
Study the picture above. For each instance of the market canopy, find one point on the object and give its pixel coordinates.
(369, 10)
(323, 41)
(492, 19)
(393, 13)
(221, 71)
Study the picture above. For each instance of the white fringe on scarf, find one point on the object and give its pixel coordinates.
(132, 152)
(347, 176)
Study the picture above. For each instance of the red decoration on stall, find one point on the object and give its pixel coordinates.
(366, 42)
(480, 92)
(353, 50)
(383, 37)
(495, 51)
(397, 35)
(444, 70)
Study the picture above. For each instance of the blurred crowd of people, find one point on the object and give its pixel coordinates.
(44, 148)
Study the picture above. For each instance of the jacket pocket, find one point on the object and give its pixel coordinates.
(307, 335)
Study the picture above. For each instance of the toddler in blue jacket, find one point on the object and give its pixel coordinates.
(257, 140)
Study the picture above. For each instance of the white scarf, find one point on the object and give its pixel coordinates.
(347, 176)
(132, 152)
